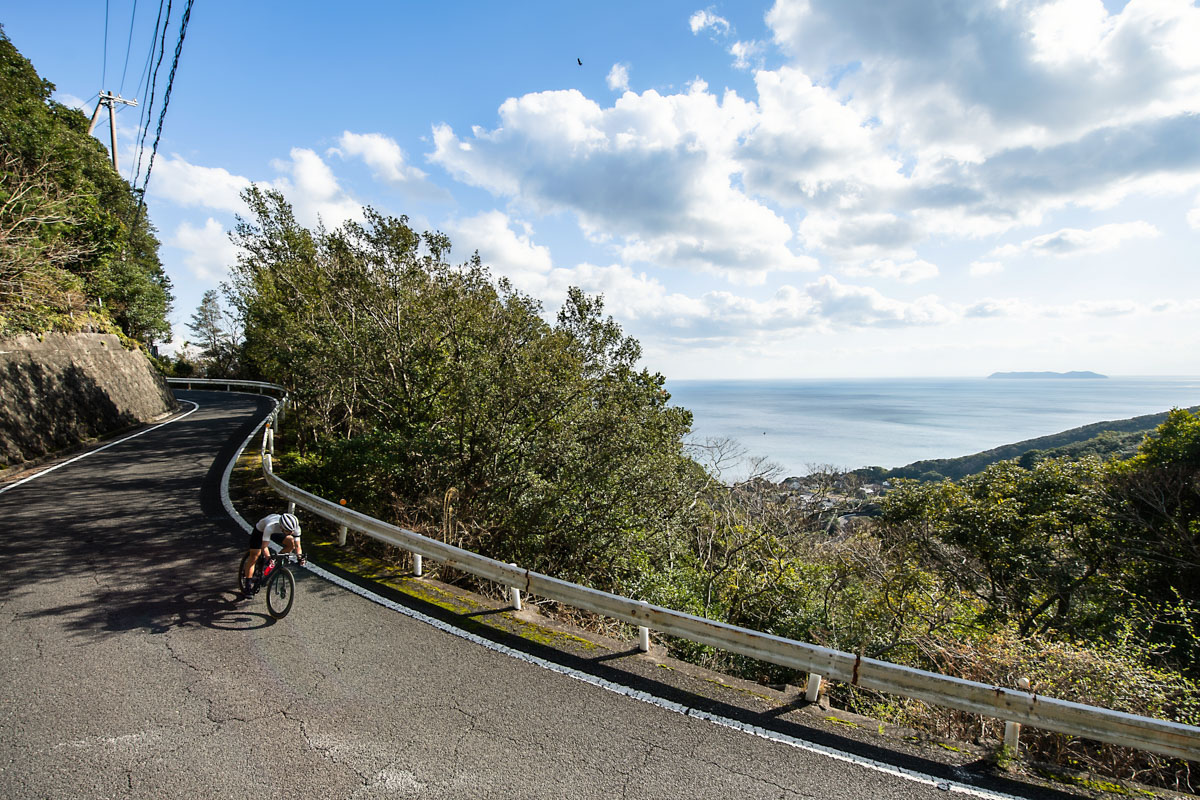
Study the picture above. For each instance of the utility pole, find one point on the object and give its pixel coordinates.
(109, 99)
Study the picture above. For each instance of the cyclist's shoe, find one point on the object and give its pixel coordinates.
(247, 586)
(303, 560)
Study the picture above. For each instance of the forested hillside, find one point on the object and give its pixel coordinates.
(1112, 439)
(77, 251)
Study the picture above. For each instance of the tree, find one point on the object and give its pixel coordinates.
(1156, 499)
(73, 235)
(214, 330)
(1033, 544)
(416, 377)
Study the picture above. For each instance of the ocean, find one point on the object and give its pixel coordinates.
(851, 423)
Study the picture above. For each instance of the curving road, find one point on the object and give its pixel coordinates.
(129, 669)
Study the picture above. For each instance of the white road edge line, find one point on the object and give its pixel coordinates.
(36, 475)
(617, 688)
(225, 501)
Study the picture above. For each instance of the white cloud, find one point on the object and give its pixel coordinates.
(1007, 307)
(746, 54)
(724, 316)
(508, 253)
(963, 78)
(889, 127)
(314, 191)
(808, 147)
(1074, 242)
(381, 153)
(862, 306)
(71, 101)
(977, 119)
(1106, 308)
(618, 77)
(858, 238)
(980, 268)
(654, 172)
(1014, 307)
(1068, 30)
(187, 184)
(906, 271)
(208, 250)
(707, 20)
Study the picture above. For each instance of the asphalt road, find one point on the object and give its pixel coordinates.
(129, 668)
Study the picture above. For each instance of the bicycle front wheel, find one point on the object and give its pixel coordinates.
(281, 591)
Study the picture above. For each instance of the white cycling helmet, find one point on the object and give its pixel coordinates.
(289, 524)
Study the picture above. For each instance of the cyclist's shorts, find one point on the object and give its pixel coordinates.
(255, 539)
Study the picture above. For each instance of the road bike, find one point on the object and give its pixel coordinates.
(273, 575)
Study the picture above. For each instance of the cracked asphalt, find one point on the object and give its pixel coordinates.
(130, 669)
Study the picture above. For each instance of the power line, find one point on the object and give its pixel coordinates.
(128, 44)
(104, 63)
(144, 84)
(187, 15)
(161, 46)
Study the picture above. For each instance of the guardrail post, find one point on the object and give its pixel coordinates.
(812, 692)
(1012, 730)
(418, 565)
(643, 633)
(515, 595)
(270, 439)
(341, 536)
(291, 507)
(267, 462)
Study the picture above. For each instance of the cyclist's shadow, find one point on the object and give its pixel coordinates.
(110, 612)
(225, 611)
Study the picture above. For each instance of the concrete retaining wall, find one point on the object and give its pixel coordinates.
(59, 391)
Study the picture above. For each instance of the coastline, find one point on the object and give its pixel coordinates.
(893, 423)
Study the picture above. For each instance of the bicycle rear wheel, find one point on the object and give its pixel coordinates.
(242, 570)
(281, 591)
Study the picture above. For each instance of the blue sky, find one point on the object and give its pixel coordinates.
(810, 188)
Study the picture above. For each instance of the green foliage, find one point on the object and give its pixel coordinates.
(72, 238)
(219, 348)
(1115, 674)
(1116, 439)
(418, 377)
(1175, 443)
(1156, 497)
(1032, 544)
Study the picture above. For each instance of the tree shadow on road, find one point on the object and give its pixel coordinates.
(132, 538)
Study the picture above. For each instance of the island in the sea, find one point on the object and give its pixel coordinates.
(1077, 374)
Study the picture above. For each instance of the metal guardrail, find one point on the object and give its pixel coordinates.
(228, 384)
(1015, 706)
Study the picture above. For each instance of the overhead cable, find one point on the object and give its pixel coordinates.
(145, 91)
(104, 63)
(128, 45)
(187, 14)
(161, 46)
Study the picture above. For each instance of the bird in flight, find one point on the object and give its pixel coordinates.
(580, 60)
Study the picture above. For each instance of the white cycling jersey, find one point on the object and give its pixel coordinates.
(269, 525)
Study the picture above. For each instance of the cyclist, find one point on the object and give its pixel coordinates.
(283, 528)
